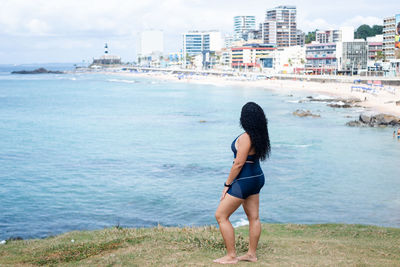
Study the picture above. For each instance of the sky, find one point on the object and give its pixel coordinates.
(48, 31)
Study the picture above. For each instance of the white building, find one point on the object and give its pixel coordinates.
(375, 39)
(242, 25)
(150, 47)
(216, 42)
(352, 57)
(328, 36)
(228, 41)
(344, 34)
(389, 30)
(225, 58)
(200, 43)
(290, 59)
(150, 42)
(280, 26)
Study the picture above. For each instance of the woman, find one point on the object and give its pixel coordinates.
(244, 182)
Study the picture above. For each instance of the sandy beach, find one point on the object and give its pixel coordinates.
(382, 100)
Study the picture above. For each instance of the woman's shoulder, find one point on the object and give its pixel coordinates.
(244, 137)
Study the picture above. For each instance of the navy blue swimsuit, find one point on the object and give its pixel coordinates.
(250, 180)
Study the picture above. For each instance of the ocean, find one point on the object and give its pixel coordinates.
(88, 151)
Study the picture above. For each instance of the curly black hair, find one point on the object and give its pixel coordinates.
(254, 122)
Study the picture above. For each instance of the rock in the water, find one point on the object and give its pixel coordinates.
(355, 124)
(379, 120)
(385, 119)
(364, 118)
(352, 100)
(340, 106)
(37, 71)
(305, 113)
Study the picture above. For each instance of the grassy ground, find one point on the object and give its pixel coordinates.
(280, 244)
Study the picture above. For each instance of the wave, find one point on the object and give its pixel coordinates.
(292, 145)
(241, 222)
(121, 81)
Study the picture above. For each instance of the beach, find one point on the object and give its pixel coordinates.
(382, 100)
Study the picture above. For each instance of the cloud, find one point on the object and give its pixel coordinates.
(38, 27)
(67, 25)
(360, 20)
(318, 23)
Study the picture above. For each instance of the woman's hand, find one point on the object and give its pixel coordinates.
(224, 192)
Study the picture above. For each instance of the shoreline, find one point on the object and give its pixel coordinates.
(382, 101)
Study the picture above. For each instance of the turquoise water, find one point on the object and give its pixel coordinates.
(87, 151)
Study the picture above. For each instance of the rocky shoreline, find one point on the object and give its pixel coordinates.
(379, 120)
(337, 102)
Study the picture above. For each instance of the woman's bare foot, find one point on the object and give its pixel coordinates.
(248, 257)
(227, 260)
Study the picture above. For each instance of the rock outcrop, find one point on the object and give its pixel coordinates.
(37, 71)
(337, 102)
(305, 113)
(379, 120)
(340, 105)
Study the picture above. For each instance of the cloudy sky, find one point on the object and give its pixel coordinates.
(41, 31)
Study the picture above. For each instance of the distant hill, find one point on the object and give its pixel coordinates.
(365, 31)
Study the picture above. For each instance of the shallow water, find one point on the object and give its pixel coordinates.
(87, 151)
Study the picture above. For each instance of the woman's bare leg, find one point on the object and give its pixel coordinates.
(226, 207)
(251, 207)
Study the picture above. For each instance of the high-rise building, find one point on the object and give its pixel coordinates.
(280, 26)
(389, 31)
(269, 32)
(200, 43)
(242, 25)
(150, 48)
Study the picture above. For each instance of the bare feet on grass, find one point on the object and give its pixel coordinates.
(248, 257)
(227, 260)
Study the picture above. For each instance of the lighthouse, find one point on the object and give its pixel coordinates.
(106, 59)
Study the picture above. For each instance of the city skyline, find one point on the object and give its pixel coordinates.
(72, 31)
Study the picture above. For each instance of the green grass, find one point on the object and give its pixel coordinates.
(280, 244)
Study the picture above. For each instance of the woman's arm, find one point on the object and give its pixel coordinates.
(243, 149)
